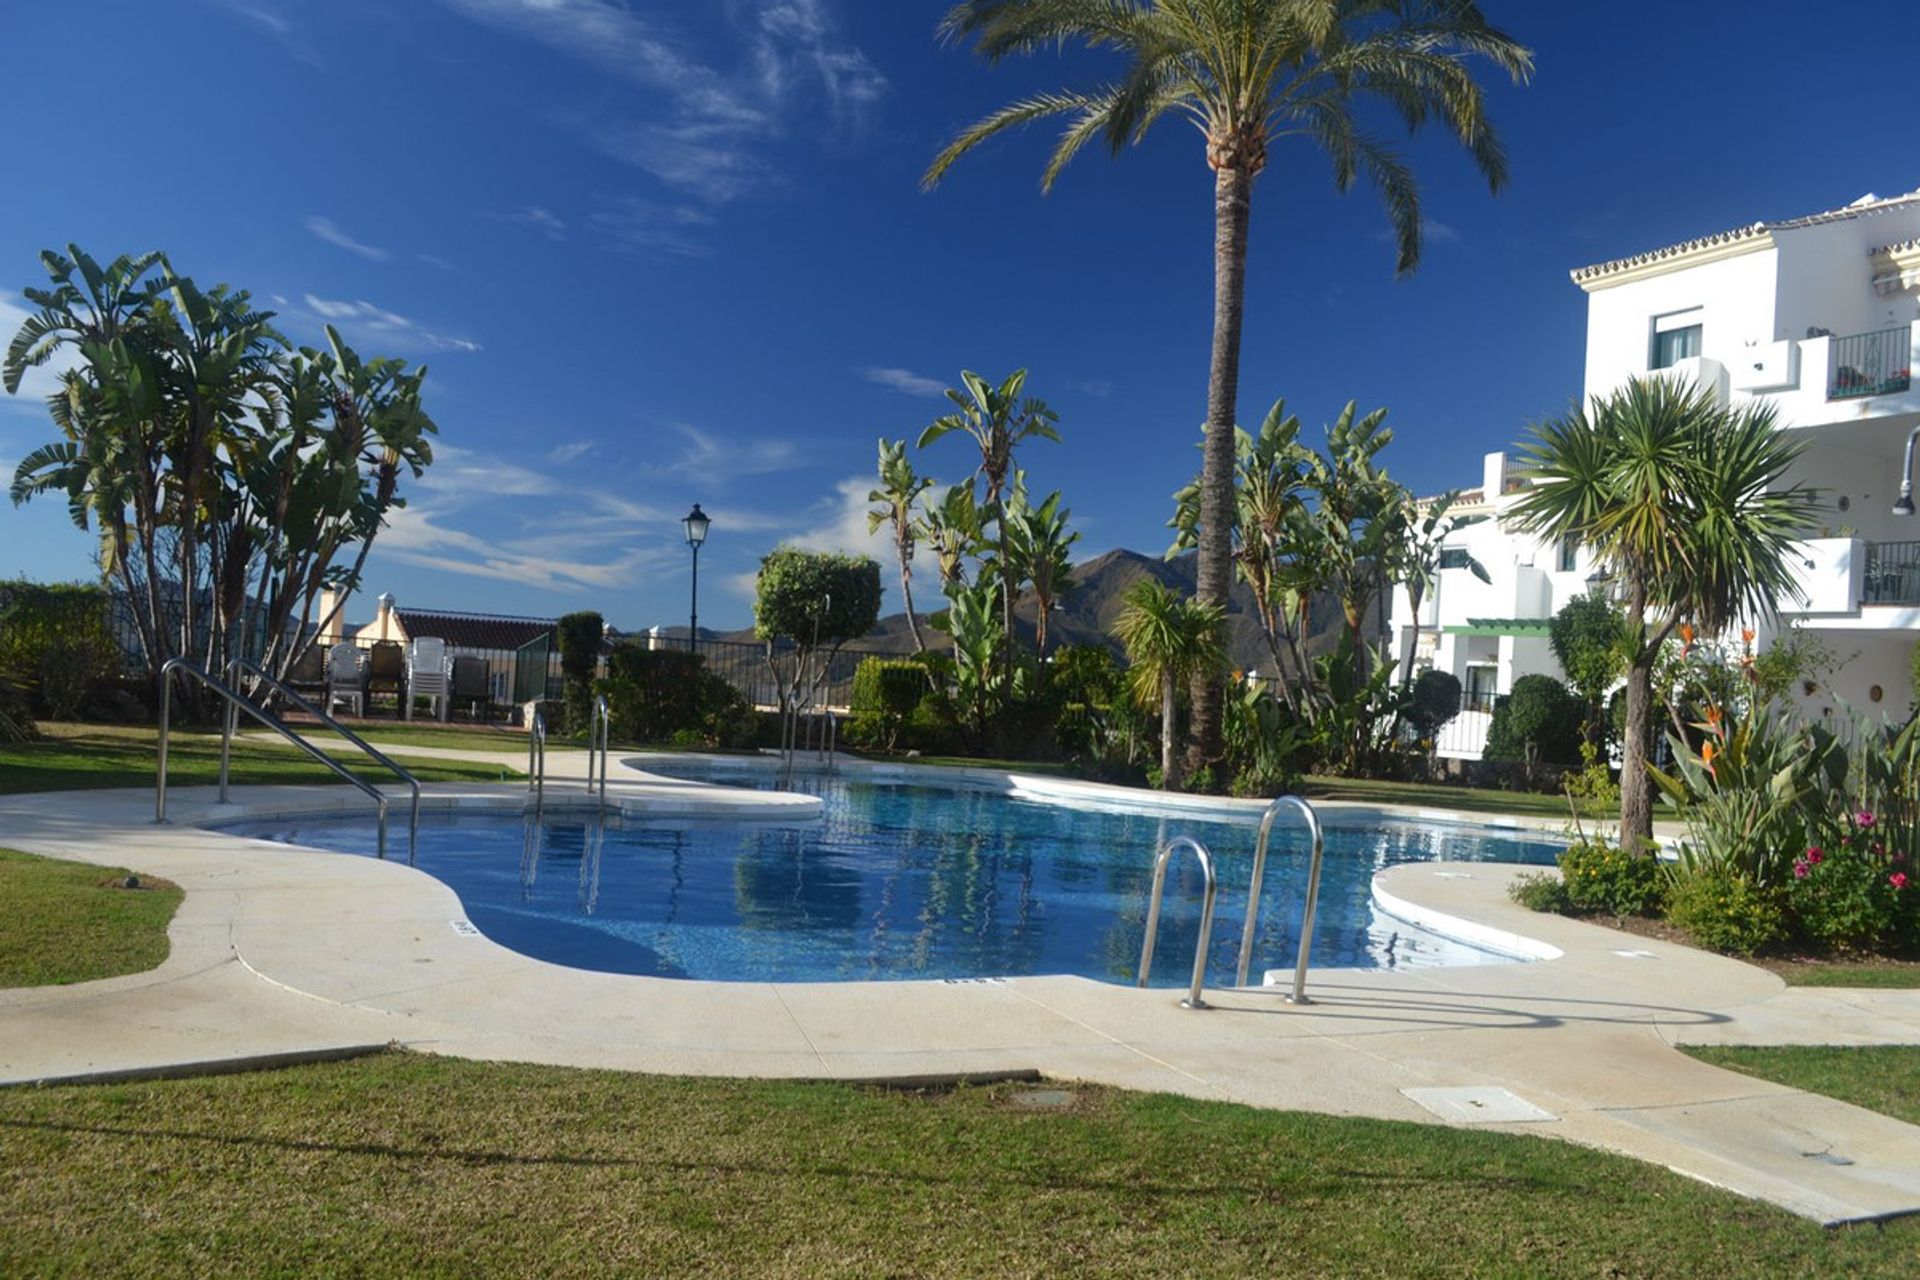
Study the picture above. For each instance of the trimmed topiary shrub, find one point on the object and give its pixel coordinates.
(1435, 700)
(580, 635)
(1538, 723)
(886, 692)
(668, 695)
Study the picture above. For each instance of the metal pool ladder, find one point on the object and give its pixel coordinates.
(240, 702)
(537, 761)
(1193, 999)
(599, 736)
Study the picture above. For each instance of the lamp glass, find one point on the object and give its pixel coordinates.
(696, 522)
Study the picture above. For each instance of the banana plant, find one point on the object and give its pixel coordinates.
(900, 489)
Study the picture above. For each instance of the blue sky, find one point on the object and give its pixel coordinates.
(659, 253)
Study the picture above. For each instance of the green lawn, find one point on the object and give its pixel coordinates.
(1883, 1078)
(1438, 796)
(409, 1165)
(71, 757)
(74, 922)
(1891, 974)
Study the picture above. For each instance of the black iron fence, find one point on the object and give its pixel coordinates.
(1893, 573)
(743, 664)
(1871, 364)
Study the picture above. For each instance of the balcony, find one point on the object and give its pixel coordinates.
(1893, 573)
(1870, 364)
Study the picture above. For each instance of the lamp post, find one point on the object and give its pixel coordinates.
(1904, 507)
(696, 523)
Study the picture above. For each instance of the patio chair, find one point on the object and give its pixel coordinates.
(308, 674)
(386, 671)
(427, 676)
(346, 678)
(472, 682)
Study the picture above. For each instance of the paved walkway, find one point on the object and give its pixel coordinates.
(279, 952)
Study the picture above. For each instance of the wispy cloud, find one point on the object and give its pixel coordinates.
(334, 234)
(721, 107)
(572, 451)
(1098, 388)
(366, 317)
(708, 457)
(545, 221)
(905, 381)
(272, 21)
(435, 260)
(642, 227)
(1432, 231)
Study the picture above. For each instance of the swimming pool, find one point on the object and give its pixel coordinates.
(899, 881)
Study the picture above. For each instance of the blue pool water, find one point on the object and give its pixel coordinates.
(900, 881)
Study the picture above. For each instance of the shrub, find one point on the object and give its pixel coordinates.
(886, 692)
(55, 641)
(1724, 911)
(655, 694)
(1539, 723)
(580, 636)
(1435, 700)
(1538, 891)
(1599, 876)
(1853, 894)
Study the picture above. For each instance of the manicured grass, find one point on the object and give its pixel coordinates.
(407, 1165)
(74, 922)
(72, 757)
(478, 738)
(1890, 974)
(1438, 796)
(1883, 1078)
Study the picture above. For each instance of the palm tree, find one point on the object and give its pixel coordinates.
(1169, 641)
(951, 527)
(1681, 501)
(998, 420)
(1042, 551)
(1245, 73)
(899, 489)
(1418, 535)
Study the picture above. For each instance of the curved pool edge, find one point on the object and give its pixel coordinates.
(1485, 937)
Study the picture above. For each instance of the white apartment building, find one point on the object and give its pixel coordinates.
(1818, 317)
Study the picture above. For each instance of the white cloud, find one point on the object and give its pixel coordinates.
(720, 113)
(572, 451)
(360, 316)
(839, 523)
(414, 537)
(542, 220)
(1099, 388)
(271, 22)
(36, 384)
(904, 381)
(709, 458)
(635, 225)
(334, 234)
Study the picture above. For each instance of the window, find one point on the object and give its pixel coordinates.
(1454, 557)
(1676, 337)
(1478, 695)
(1569, 552)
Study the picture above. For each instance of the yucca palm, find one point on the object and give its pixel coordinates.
(1244, 73)
(1682, 500)
(900, 488)
(1169, 641)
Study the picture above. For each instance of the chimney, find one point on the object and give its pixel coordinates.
(332, 625)
(383, 617)
(1493, 476)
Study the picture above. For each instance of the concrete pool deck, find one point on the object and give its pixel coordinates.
(283, 954)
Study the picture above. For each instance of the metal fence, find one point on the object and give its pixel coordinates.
(1893, 573)
(1871, 364)
(743, 664)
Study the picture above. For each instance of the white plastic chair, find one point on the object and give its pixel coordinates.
(427, 675)
(346, 678)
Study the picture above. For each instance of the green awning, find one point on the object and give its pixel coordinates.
(1500, 627)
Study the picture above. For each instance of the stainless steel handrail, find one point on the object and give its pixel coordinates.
(235, 700)
(1167, 850)
(379, 757)
(1299, 995)
(537, 761)
(599, 735)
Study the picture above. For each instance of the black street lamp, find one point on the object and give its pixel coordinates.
(696, 523)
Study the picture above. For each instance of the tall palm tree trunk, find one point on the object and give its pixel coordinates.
(1169, 758)
(1232, 194)
(906, 595)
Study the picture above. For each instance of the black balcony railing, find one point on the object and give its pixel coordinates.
(1871, 364)
(1893, 573)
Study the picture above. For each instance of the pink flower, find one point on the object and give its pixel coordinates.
(1898, 879)
(1863, 820)
(1816, 857)
(1799, 870)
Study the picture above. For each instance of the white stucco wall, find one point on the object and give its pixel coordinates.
(1736, 297)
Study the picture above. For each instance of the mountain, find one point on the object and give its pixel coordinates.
(1088, 614)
